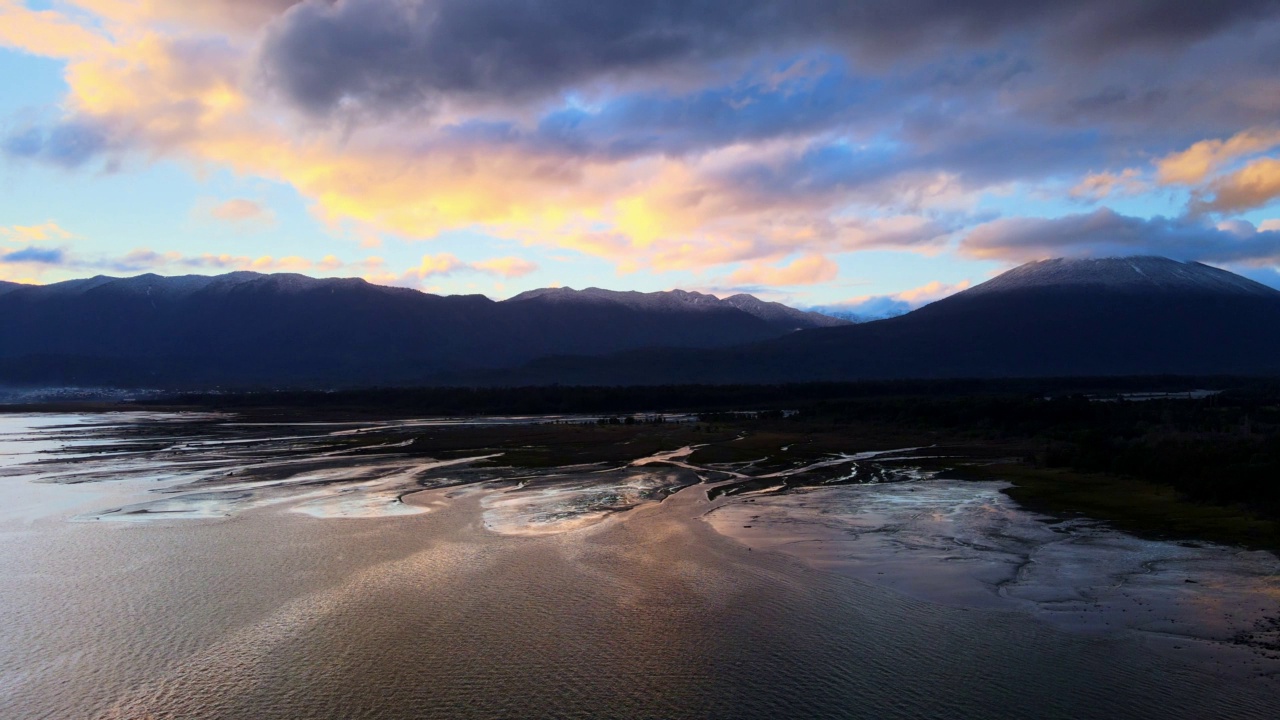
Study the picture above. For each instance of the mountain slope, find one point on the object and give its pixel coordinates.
(249, 329)
(783, 316)
(779, 316)
(1139, 274)
(1116, 316)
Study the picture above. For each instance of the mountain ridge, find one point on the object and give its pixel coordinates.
(783, 316)
(1116, 316)
(245, 328)
(1059, 318)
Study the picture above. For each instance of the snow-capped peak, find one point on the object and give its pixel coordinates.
(1138, 273)
(684, 301)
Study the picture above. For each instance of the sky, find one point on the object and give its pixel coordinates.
(869, 154)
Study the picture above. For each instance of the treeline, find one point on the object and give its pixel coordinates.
(1223, 449)
(558, 399)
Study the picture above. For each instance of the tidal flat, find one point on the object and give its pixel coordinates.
(230, 565)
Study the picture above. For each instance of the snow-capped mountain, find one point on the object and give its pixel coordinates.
(779, 316)
(1115, 316)
(1147, 274)
(1105, 317)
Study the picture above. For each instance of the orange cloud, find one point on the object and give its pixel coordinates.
(441, 264)
(871, 307)
(48, 33)
(1193, 165)
(1253, 186)
(808, 270)
(34, 233)
(656, 213)
(8, 274)
(447, 264)
(291, 263)
(190, 94)
(929, 292)
(1096, 186)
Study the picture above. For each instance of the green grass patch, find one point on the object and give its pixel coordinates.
(1132, 505)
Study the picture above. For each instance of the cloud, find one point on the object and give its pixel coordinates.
(1098, 186)
(929, 292)
(68, 144)
(139, 260)
(876, 307)
(39, 256)
(1253, 186)
(807, 270)
(242, 211)
(660, 136)
(228, 14)
(34, 233)
(443, 264)
(39, 260)
(507, 267)
(45, 32)
(1193, 165)
(1105, 233)
(396, 54)
(145, 259)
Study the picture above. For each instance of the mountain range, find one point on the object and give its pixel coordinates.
(1113, 316)
(249, 329)
(1053, 318)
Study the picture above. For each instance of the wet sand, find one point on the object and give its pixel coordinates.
(965, 544)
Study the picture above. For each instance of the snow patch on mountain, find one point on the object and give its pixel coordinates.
(1137, 274)
(773, 313)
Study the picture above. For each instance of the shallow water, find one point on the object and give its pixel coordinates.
(353, 586)
(968, 545)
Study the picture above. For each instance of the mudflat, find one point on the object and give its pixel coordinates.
(199, 567)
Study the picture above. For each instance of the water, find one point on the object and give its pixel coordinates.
(568, 592)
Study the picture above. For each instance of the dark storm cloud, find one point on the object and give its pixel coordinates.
(985, 92)
(886, 129)
(1104, 233)
(1158, 22)
(392, 54)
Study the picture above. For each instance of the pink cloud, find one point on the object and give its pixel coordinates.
(241, 210)
(807, 270)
